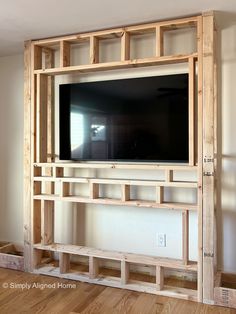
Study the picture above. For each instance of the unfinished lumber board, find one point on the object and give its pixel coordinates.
(94, 50)
(28, 147)
(125, 192)
(185, 236)
(159, 277)
(41, 121)
(199, 157)
(64, 53)
(125, 270)
(159, 41)
(93, 267)
(64, 262)
(111, 201)
(191, 118)
(116, 64)
(11, 261)
(138, 166)
(125, 46)
(208, 160)
(47, 222)
(118, 256)
(159, 194)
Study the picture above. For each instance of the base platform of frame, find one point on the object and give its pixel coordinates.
(91, 270)
(11, 256)
(115, 282)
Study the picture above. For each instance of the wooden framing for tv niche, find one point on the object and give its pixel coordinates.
(42, 171)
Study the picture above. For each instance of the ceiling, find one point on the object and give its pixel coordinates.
(32, 19)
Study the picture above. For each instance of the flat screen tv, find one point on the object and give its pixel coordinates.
(131, 120)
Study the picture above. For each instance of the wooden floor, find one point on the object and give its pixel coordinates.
(85, 298)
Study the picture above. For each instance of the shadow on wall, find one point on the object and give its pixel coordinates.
(226, 181)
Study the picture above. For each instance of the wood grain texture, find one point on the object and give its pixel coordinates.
(27, 154)
(208, 160)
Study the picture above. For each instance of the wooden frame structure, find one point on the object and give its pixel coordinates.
(42, 171)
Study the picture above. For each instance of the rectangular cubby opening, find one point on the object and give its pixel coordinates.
(180, 279)
(111, 191)
(141, 273)
(142, 193)
(108, 268)
(180, 195)
(143, 45)
(45, 258)
(109, 49)
(79, 53)
(47, 171)
(50, 56)
(78, 264)
(185, 176)
(173, 39)
(78, 189)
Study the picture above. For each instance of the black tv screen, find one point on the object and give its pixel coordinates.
(137, 119)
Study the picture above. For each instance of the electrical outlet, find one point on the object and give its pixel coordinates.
(161, 240)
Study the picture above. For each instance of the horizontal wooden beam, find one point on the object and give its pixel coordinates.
(182, 184)
(110, 201)
(118, 256)
(143, 166)
(117, 65)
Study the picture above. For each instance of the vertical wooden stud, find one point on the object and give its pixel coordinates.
(64, 262)
(159, 41)
(125, 269)
(191, 97)
(65, 189)
(49, 63)
(94, 50)
(199, 160)
(58, 172)
(27, 157)
(47, 222)
(159, 194)
(125, 192)
(94, 190)
(93, 267)
(37, 257)
(37, 57)
(36, 221)
(208, 159)
(41, 122)
(185, 236)
(169, 175)
(159, 277)
(64, 54)
(125, 46)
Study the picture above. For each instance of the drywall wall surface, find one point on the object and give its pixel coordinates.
(11, 148)
(226, 49)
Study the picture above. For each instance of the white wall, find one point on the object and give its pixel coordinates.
(128, 229)
(11, 148)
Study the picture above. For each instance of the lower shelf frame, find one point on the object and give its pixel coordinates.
(123, 281)
(168, 291)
